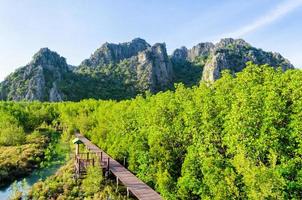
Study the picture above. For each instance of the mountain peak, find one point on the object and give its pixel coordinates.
(231, 41)
(39, 79)
(113, 53)
(45, 51)
(138, 40)
(45, 57)
(199, 50)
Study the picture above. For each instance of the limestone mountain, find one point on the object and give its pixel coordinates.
(120, 71)
(38, 80)
(114, 53)
(207, 60)
(233, 54)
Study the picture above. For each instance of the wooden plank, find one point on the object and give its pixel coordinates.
(134, 185)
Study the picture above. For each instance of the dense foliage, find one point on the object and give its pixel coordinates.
(120, 81)
(21, 148)
(188, 73)
(238, 138)
(11, 132)
(62, 185)
(112, 81)
(17, 161)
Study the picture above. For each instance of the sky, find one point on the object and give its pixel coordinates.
(76, 28)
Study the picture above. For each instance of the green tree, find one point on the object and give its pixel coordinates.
(10, 131)
(92, 182)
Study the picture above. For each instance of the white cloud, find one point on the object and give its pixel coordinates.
(272, 15)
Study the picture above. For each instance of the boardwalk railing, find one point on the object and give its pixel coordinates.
(134, 185)
(82, 162)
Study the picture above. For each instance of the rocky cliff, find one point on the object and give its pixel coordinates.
(128, 69)
(114, 53)
(154, 67)
(233, 55)
(119, 71)
(228, 54)
(38, 80)
(200, 50)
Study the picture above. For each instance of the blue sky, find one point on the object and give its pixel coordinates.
(75, 28)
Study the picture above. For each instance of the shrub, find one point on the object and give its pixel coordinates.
(92, 182)
(10, 131)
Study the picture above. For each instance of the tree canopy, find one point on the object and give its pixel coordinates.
(237, 138)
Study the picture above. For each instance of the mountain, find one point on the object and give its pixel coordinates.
(228, 54)
(114, 53)
(233, 54)
(149, 67)
(38, 80)
(120, 71)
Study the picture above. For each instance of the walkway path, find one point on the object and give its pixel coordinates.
(134, 185)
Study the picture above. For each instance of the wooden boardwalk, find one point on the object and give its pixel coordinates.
(134, 185)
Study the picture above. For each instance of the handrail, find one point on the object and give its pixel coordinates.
(134, 185)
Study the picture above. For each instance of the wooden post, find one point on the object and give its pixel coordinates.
(79, 166)
(77, 149)
(87, 156)
(117, 184)
(108, 165)
(101, 157)
(124, 162)
(127, 192)
(93, 162)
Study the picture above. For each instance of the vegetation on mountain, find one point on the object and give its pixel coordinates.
(112, 81)
(189, 73)
(232, 55)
